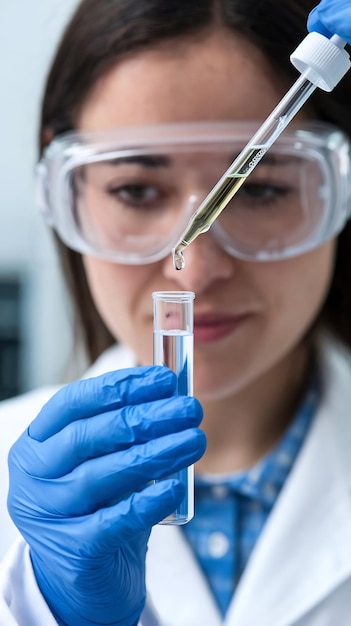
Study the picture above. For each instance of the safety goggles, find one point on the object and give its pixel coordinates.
(127, 195)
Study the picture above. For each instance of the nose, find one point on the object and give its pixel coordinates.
(205, 264)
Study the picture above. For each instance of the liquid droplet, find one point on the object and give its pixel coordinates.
(178, 260)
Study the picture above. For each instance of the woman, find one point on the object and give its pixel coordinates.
(160, 100)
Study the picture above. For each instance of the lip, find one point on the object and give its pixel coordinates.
(211, 328)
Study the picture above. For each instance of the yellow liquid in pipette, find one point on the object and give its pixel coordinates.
(247, 160)
(218, 200)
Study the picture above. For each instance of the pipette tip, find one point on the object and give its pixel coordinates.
(178, 258)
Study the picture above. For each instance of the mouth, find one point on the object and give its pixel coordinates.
(208, 329)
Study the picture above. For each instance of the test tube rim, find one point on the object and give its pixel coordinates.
(173, 296)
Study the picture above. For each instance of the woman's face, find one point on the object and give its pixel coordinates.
(249, 316)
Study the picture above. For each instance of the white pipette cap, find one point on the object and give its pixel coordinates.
(321, 60)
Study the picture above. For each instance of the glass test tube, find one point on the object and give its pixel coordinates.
(173, 347)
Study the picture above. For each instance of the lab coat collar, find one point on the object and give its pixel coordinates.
(304, 552)
(175, 582)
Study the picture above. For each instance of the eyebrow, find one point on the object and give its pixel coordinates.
(151, 161)
(273, 159)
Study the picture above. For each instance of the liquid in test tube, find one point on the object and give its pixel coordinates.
(173, 347)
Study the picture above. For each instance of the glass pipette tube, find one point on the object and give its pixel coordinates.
(246, 161)
(173, 347)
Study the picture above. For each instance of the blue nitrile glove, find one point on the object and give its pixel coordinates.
(80, 489)
(331, 17)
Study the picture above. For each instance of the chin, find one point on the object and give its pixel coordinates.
(212, 390)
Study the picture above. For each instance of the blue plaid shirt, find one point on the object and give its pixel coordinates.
(232, 510)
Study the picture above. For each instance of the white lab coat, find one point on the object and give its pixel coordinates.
(299, 573)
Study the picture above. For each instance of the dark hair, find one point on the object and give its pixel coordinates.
(102, 33)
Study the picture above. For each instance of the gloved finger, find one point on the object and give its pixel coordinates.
(110, 391)
(104, 531)
(110, 432)
(115, 526)
(331, 18)
(100, 481)
(314, 23)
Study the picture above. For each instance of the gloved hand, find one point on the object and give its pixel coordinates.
(331, 17)
(80, 489)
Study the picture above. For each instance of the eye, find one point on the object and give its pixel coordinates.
(262, 193)
(135, 194)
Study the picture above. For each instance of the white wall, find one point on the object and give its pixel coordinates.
(29, 31)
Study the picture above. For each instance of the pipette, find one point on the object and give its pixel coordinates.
(322, 62)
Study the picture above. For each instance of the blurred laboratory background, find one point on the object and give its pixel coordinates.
(36, 338)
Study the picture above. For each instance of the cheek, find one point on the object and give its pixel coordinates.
(291, 294)
(107, 283)
(297, 289)
(122, 295)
